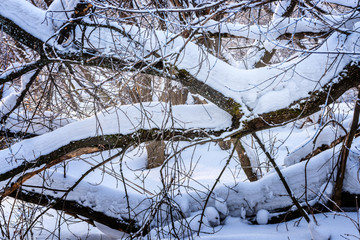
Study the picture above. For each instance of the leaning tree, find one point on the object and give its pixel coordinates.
(93, 81)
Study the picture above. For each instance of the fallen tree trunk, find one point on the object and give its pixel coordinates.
(76, 209)
(80, 211)
(310, 183)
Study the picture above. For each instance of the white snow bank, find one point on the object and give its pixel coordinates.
(331, 225)
(269, 193)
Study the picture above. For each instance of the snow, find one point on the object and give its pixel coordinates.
(337, 226)
(262, 217)
(233, 198)
(273, 30)
(10, 95)
(240, 202)
(18, 122)
(273, 195)
(183, 202)
(325, 134)
(255, 89)
(348, 3)
(110, 232)
(316, 234)
(352, 174)
(212, 216)
(59, 12)
(242, 199)
(221, 207)
(243, 213)
(326, 191)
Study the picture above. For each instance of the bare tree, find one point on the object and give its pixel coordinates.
(93, 81)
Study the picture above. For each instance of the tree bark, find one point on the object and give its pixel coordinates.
(244, 161)
(77, 209)
(156, 154)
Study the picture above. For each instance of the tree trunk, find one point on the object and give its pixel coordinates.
(244, 161)
(344, 155)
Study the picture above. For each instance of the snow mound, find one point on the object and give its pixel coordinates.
(262, 217)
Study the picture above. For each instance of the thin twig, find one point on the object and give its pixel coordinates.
(282, 178)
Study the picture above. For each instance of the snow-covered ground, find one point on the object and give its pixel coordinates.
(330, 225)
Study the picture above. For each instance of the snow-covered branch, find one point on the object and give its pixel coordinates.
(116, 128)
(271, 32)
(19, 70)
(11, 98)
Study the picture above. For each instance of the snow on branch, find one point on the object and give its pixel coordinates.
(269, 193)
(18, 70)
(254, 92)
(118, 126)
(270, 32)
(12, 98)
(25, 23)
(347, 3)
(113, 129)
(95, 202)
(346, 80)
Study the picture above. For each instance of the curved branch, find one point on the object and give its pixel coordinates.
(75, 208)
(115, 129)
(228, 95)
(346, 80)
